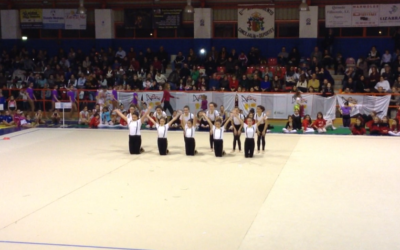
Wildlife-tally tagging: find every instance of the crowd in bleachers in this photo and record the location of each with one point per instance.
(28, 77)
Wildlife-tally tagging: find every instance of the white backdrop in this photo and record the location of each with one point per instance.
(309, 23)
(366, 104)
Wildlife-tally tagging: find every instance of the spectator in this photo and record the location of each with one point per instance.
(314, 82)
(328, 91)
(386, 58)
(283, 57)
(395, 128)
(339, 64)
(179, 59)
(184, 71)
(383, 83)
(373, 57)
(95, 121)
(265, 84)
(84, 116)
(233, 84)
(210, 66)
(162, 55)
(243, 60)
(358, 128)
(374, 76)
(120, 54)
(317, 54)
(328, 41)
(362, 67)
(294, 57)
(55, 117)
(302, 84)
(276, 84)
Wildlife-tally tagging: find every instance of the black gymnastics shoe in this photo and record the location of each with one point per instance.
(141, 150)
(167, 151)
(195, 152)
(223, 152)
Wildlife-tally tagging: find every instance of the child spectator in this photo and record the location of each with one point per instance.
(150, 123)
(106, 117)
(204, 126)
(307, 124)
(39, 117)
(375, 129)
(204, 102)
(289, 128)
(319, 124)
(95, 121)
(358, 128)
(395, 129)
(55, 117)
(8, 119)
(17, 118)
(177, 123)
(122, 122)
(12, 104)
(296, 120)
(84, 116)
(345, 111)
(384, 126)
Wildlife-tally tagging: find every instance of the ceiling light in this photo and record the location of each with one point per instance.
(304, 6)
(189, 8)
(81, 9)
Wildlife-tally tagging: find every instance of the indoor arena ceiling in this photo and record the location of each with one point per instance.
(120, 4)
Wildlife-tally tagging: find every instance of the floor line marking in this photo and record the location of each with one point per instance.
(65, 245)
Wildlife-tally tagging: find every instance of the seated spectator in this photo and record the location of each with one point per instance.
(233, 84)
(358, 128)
(244, 82)
(319, 124)
(395, 128)
(327, 59)
(328, 90)
(39, 118)
(350, 84)
(314, 82)
(95, 121)
(8, 119)
(179, 60)
(224, 83)
(362, 85)
(375, 128)
(339, 64)
(374, 57)
(291, 78)
(383, 84)
(276, 84)
(84, 116)
(307, 122)
(317, 54)
(386, 58)
(55, 117)
(362, 67)
(265, 84)
(302, 84)
(384, 126)
(289, 128)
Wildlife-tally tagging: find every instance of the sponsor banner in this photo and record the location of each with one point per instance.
(167, 18)
(53, 19)
(256, 23)
(74, 21)
(309, 23)
(362, 15)
(248, 101)
(31, 18)
(366, 104)
(389, 15)
(338, 16)
(194, 100)
(365, 15)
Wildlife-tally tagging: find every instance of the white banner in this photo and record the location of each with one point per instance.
(104, 23)
(309, 23)
(248, 101)
(256, 23)
(365, 15)
(362, 15)
(74, 21)
(203, 23)
(53, 19)
(366, 104)
(338, 16)
(389, 15)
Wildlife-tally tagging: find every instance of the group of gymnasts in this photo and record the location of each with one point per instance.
(250, 127)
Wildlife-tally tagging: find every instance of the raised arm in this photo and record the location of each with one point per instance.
(207, 119)
(146, 114)
(172, 120)
(121, 115)
(151, 119)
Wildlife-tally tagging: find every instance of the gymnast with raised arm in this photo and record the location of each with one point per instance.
(134, 124)
(162, 130)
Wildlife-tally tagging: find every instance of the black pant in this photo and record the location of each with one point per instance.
(135, 142)
(190, 145)
(236, 138)
(211, 137)
(249, 147)
(162, 145)
(167, 105)
(219, 147)
(261, 138)
(346, 120)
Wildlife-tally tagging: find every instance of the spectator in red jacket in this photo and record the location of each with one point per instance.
(233, 83)
(319, 124)
(95, 121)
(375, 129)
(358, 128)
(395, 128)
(384, 126)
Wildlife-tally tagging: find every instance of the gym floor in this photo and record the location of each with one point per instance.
(81, 189)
